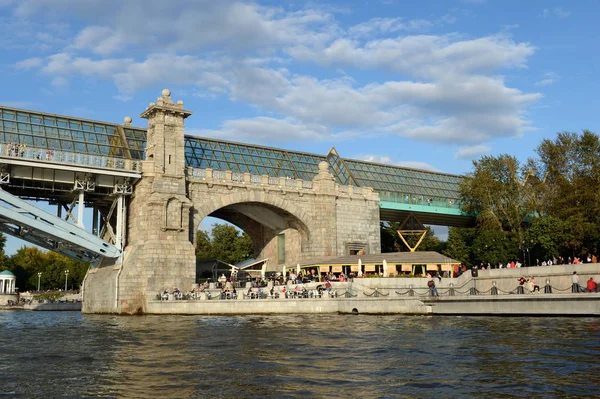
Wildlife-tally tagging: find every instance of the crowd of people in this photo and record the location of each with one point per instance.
(548, 262)
(18, 150)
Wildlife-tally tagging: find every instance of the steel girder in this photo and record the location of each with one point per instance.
(25, 221)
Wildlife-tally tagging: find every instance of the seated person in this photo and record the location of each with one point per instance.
(592, 286)
(328, 285)
(534, 285)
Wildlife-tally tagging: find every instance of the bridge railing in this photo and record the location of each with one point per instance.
(72, 158)
(411, 199)
(248, 178)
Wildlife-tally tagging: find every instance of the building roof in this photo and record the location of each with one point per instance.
(400, 258)
(7, 273)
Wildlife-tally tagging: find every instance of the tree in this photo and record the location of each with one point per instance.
(2, 254)
(27, 262)
(204, 248)
(544, 238)
(225, 243)
(571, 167)
(24, 263)
(457, 246)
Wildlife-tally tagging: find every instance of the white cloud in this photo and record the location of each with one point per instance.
(388, 25)
(387, 160)
(442, 88)
(556, 12)
(264, 129)
(548, 79)
(421, 55)
(471, 152)
(29, 63)
(115, 27)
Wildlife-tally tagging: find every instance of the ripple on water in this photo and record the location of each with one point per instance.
(50, 354)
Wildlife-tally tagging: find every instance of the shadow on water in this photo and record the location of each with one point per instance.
(66, 354)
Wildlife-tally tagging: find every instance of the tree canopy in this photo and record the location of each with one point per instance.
(225, 243)
(27, 262)
(544, 208)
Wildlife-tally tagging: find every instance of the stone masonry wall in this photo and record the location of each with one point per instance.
(357, 223)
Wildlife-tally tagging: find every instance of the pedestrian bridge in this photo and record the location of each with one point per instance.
(148, 189)
(55, 158)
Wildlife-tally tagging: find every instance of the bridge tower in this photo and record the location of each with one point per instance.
(158, 252)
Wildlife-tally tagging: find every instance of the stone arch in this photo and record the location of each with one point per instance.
(297, 220)
(204, 208)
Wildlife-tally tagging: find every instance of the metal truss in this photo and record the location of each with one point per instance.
(412, 227)
(63, 133)
(25, 221)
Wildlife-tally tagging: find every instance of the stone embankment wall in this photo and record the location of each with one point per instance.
(391, 296)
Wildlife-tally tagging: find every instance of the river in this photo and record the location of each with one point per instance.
(67, 354)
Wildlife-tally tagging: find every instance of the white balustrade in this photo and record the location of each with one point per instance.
(73, 158)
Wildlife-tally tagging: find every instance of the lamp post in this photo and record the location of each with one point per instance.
(39, 279)
(66, 278)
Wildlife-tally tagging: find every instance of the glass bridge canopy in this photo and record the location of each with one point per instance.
(62, 133)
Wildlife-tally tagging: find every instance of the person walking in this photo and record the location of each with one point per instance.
(432, 290)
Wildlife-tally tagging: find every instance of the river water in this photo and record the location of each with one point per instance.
(67, 354)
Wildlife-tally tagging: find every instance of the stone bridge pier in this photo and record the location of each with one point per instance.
(288, 220)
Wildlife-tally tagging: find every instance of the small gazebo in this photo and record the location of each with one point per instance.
(7, 283)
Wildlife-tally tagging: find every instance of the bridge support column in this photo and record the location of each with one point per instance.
(80, 206)
(154, 227)
(95, 221)
(120, 218)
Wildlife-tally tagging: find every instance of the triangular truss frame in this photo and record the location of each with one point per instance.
(414, 228)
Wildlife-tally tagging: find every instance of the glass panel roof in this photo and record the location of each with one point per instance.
(70, 134)
(99, 138)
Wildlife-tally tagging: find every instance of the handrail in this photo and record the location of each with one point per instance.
(22, 151)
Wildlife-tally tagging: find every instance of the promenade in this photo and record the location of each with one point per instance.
(492, 292)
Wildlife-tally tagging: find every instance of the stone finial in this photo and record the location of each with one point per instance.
(324, 174)
(128, 120)
(166, 98)
(165, 103)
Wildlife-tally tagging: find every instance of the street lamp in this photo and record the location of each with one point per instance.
(39, 278)
(66, 278)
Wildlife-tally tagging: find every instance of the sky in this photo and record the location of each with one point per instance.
(428, 84)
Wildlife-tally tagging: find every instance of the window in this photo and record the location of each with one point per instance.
(281, 248)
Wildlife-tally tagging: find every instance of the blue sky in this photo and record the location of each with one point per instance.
(427, 84)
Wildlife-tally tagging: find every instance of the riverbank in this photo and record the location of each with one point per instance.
(491, 292)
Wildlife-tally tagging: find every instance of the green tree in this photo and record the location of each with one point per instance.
(27, 262)
(544, 238)
(571, 168)
(204, 248)
(457, 246)
(225, 243)
(2, 253)
(24, 263)
(494, 246)
(495, 192)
